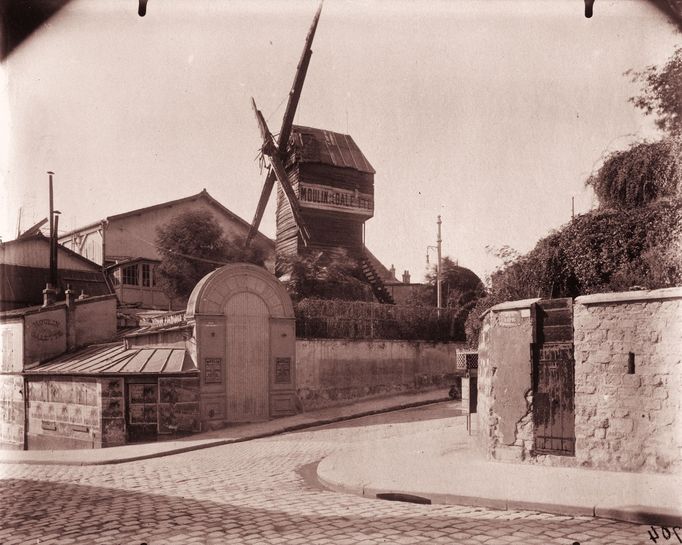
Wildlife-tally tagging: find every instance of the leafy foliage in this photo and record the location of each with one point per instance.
(602, 251)
(192, 245)
(639, 175)
(325, 275)
(461, 289)
(662, 93)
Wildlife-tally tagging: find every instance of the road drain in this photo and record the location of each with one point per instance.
(409, 498)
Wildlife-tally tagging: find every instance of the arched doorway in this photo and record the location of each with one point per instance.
(244, 345)
(247, 348)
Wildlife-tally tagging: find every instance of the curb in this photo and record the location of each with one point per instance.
(221, 442)
(633, 514)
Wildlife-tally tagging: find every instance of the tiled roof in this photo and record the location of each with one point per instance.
(114, 358)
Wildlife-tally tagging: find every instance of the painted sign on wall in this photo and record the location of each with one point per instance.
(45, 335)
(322, 197)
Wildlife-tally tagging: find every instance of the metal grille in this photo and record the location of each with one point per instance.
(467, 359)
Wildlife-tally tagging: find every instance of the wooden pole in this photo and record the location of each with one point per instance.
(438, 267)
(53, 269)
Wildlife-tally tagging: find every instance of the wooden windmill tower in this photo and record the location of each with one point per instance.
(326, 186)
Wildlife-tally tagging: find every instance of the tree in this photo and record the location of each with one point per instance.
(639, 175)
(460, 291)
(325, 275)
(662, 94)
(192, 245)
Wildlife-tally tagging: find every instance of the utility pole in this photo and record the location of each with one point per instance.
(53, 265)
(438, 269)
(437, 247)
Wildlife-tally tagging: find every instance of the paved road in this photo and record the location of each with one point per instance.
(262, 492)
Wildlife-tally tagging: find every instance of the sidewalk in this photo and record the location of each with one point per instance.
(224, 436)
(442, 464)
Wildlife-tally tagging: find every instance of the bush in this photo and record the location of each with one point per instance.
(336, 319)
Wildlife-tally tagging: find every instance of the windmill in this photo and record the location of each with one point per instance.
(276, 151)
(325, 185)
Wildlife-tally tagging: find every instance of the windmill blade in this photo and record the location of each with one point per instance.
(271, 150)
(260, 209)
(297, 87)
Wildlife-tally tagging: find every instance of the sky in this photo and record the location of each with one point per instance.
(490, 113)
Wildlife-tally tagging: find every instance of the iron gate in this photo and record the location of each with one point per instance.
(553, 377)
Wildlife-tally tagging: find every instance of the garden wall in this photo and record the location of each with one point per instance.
(628, 379)
(625, 420)
(335, 371)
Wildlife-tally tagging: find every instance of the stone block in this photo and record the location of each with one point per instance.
(660, 392)
(600, 433)
(620, 412)
(585, 388)
(632, 381)
(601, 356)
(652, 404)
(626, 425)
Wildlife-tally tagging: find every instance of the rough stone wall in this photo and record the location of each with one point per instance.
(630, 422)
(331, 371)
(623, 421)
(504, 383)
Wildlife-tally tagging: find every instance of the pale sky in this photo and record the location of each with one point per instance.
(491, 113)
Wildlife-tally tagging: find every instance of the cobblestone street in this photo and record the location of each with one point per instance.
(261, 491)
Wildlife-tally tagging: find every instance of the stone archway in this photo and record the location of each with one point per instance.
(244, 330)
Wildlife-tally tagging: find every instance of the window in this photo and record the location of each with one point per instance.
(147, 277)
(130, 275)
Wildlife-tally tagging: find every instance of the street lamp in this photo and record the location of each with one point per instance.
(437, 247)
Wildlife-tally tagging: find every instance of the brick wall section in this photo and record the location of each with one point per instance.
(630, 422)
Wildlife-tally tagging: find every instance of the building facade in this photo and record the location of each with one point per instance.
(25, 270)
(125, 245)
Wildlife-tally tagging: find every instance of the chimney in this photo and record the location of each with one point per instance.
(49, 295)
(406, 277)
(392, 270)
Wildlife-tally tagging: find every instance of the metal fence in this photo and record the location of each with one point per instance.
(335, 319)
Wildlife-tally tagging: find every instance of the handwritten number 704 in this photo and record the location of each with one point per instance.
(666, 533)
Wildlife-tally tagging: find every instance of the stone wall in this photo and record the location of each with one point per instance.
(332, 371)
(504, 382)
(625, 420)
(629, 421)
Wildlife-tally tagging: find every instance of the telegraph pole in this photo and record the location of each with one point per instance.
(438, 269)
(53, 264)
(437, 247)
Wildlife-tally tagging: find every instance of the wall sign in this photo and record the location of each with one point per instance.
(46, 330)
(282, 370)
(213, 370)
(323, 197)
(509, 318)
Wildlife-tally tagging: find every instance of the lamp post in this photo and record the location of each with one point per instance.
(437, 247)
